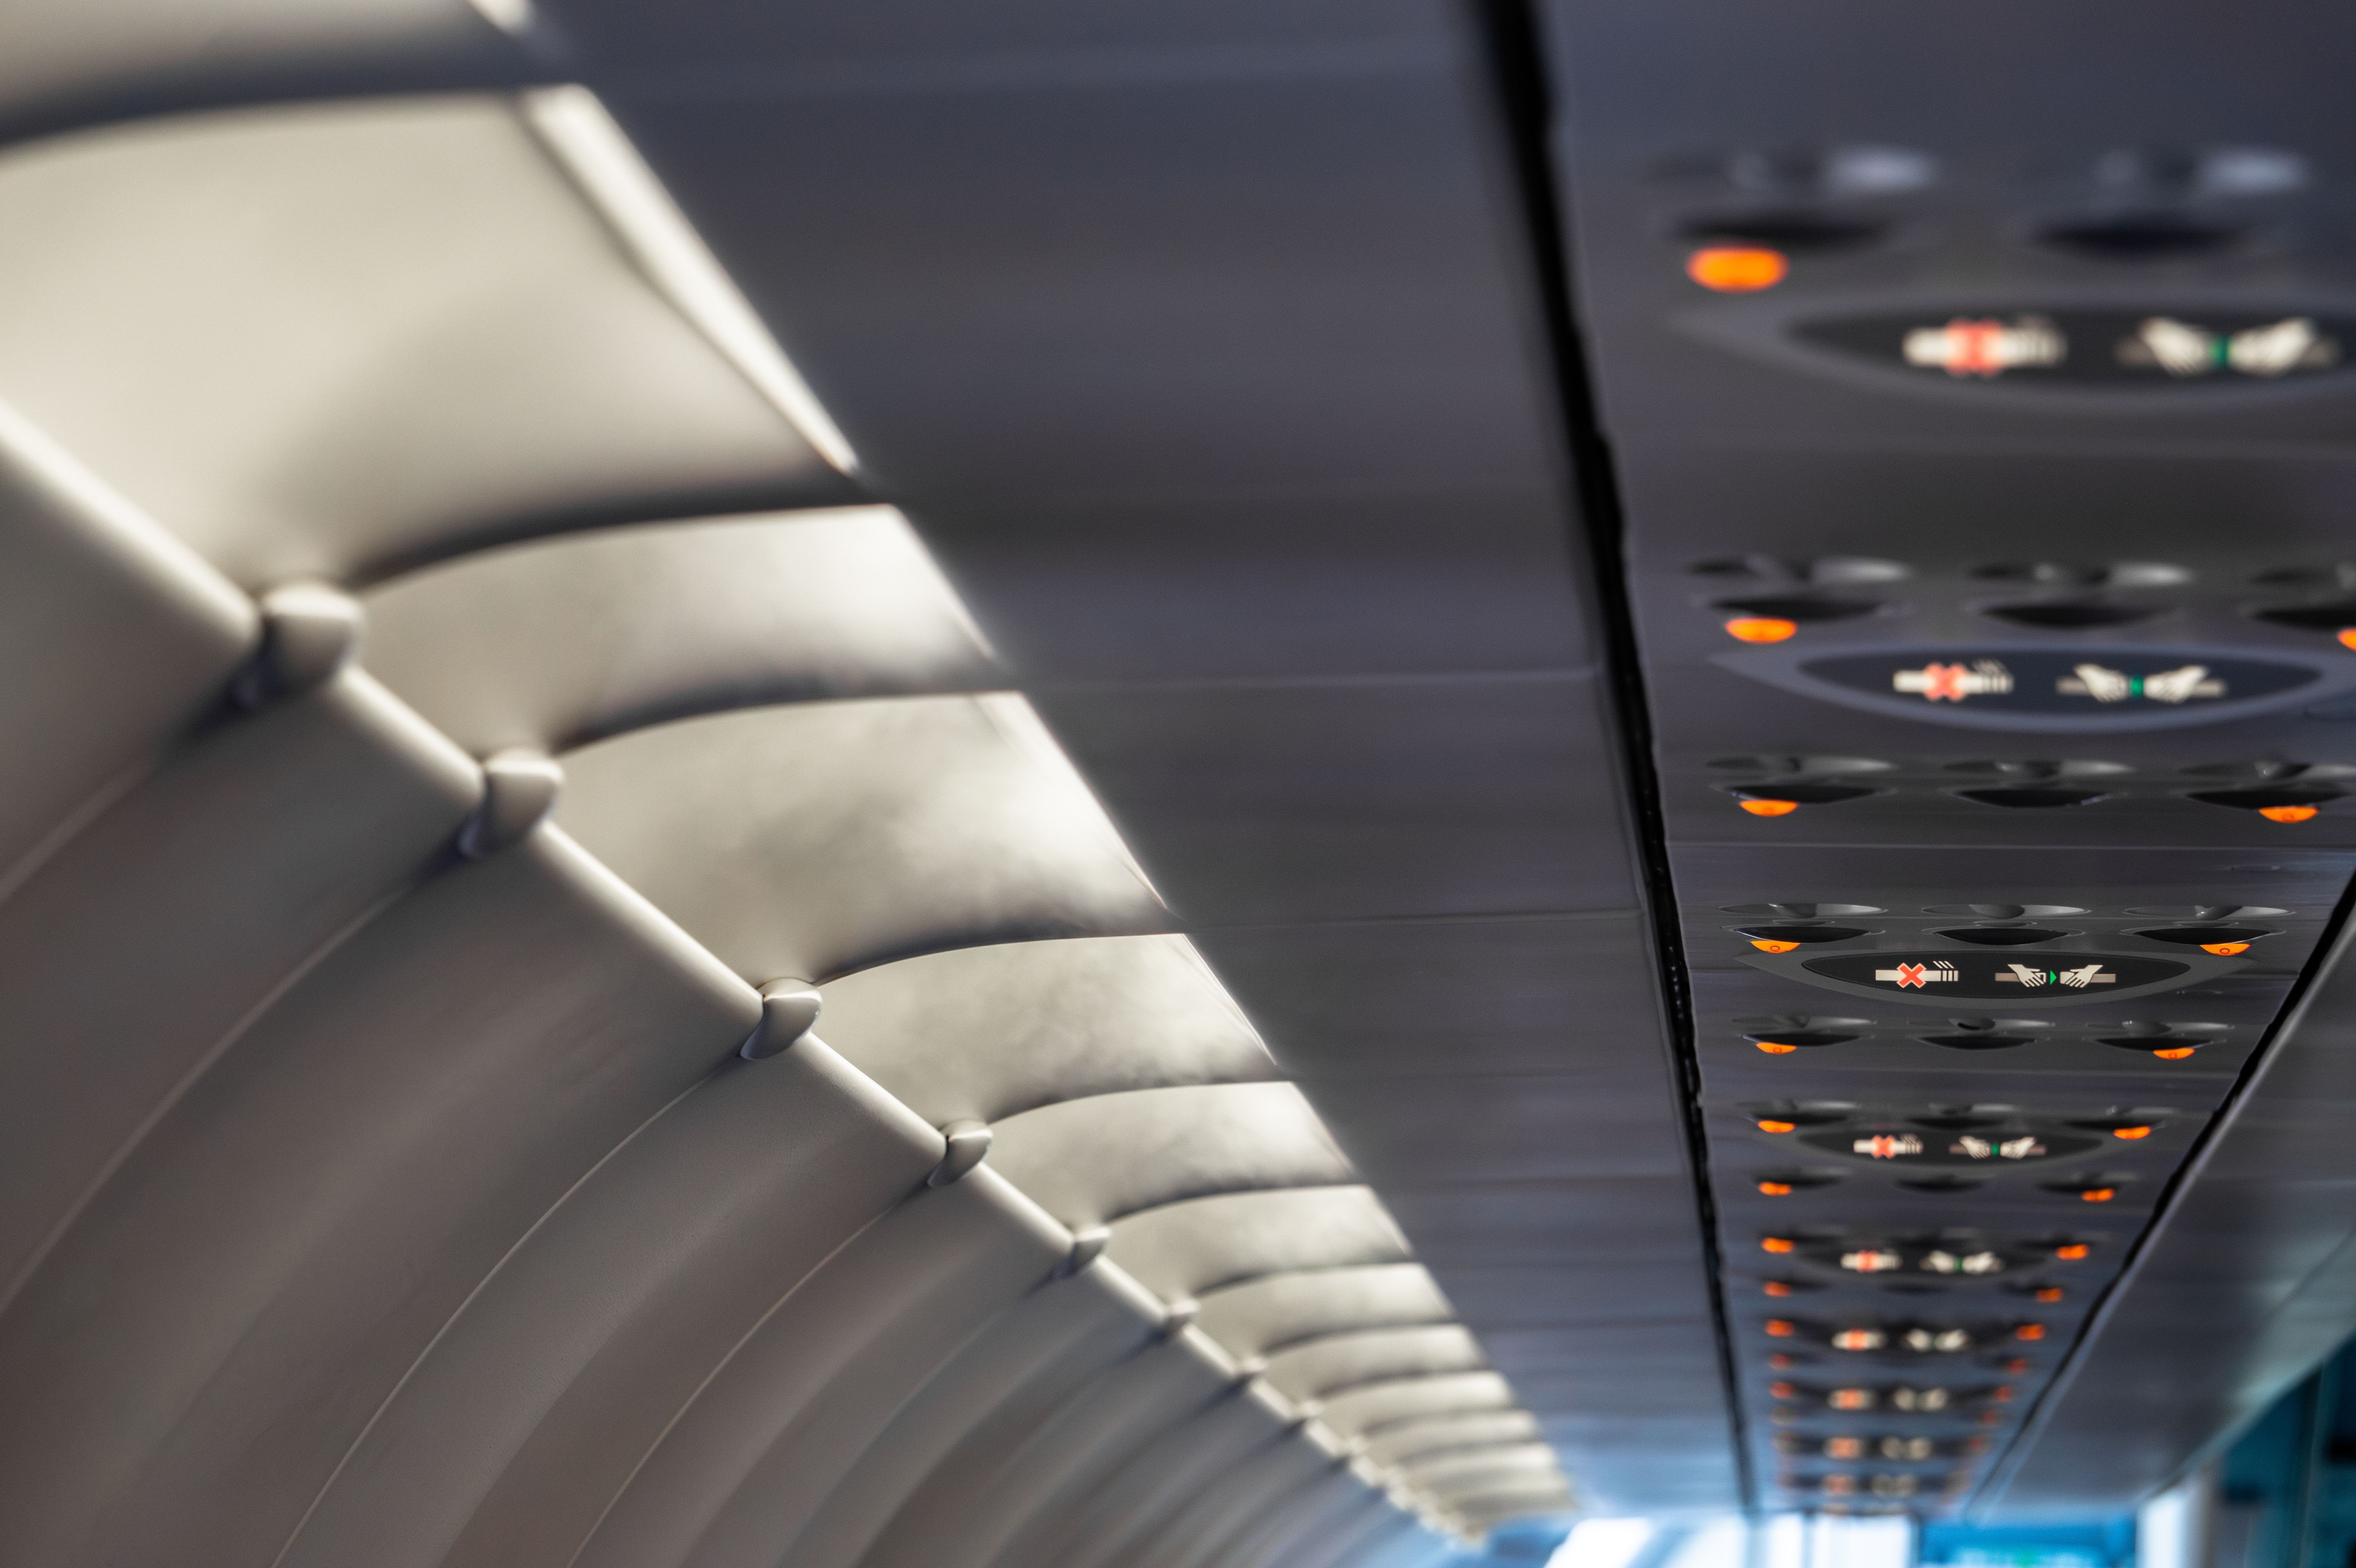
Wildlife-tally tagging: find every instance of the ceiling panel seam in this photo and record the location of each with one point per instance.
(1513, 36)
(2329, 955)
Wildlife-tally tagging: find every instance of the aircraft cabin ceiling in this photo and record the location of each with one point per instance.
(1213, 785)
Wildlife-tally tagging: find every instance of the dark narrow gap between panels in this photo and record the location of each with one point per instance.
(1512, 37)
(2327, 955)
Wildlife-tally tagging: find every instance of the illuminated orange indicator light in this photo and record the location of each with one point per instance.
(1764, 946)
(1778, 1287)
(1761, 628)
(2001, 1395)
(1737, 269)
(1781, 1327)
(1772, 808)
(2224, 949)
(2174, 1053)
(1774, 1049)
(2287, 813)
(1783, 1390)
(2030, 1331)
(1775, 1243)
(2016, 1368)
(2130, 1134)
(2348, 636)
(1782, 1363)
(2098, 1194)
(1769, 1125)
(2049, 1293)
(1776, 1189)
(2073, 1253)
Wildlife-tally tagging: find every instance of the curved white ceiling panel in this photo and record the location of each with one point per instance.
(1333, 1365)
(1365, 1412)
(304, 1216)
(1178, 1378)
(1092, 1162)
(533, 1408)
(988, 1032)
(1020, 1515)
(1012, 1376)
(751, 1460)
(323, 341)
(812, 840)
(1209, 1530)
(1357, 1541)
(1275, 1311)
(1460, 1471)
(68, 62)
(132, 638)
(1138, 1505)
(1306, 1512)
(1191, 1248)
(556, 641)
(1478, 1513)
(251, 856)
(971, 1479)
(1404, 1444)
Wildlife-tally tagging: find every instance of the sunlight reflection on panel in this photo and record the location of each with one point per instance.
(596, 152)
(1603, 1544)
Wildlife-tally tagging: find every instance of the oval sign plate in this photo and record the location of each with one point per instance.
(1934, 977)
(2077, 688)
